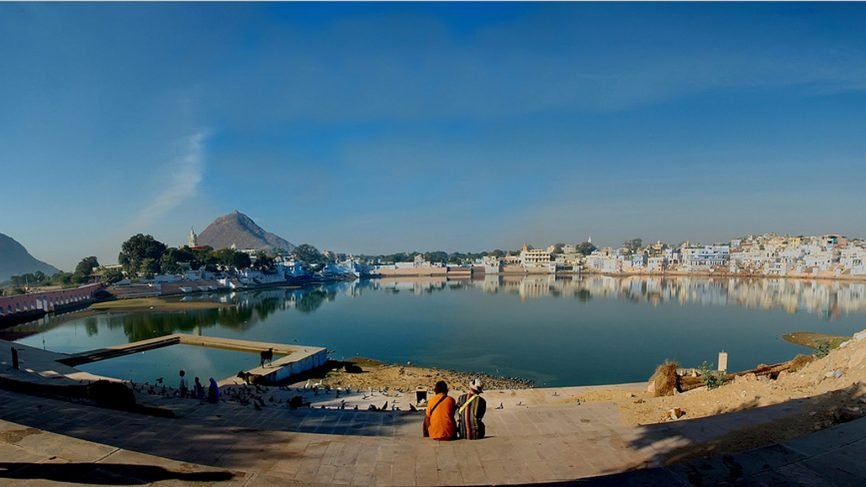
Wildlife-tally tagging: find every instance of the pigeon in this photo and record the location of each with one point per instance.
(385, 406)
(501, 406)
(159, 380)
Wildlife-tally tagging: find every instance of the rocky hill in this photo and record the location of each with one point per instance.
(15, 260)
(241, 231)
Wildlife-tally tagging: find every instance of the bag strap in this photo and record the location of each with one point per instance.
(437, 404)
(466, 403)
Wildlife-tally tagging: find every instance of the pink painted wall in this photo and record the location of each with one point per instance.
(46, 300)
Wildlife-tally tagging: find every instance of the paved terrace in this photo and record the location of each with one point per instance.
(534, 437)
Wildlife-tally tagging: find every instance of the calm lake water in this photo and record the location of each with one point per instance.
(555, 331)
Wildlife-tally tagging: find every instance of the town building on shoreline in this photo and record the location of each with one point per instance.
(820, 256)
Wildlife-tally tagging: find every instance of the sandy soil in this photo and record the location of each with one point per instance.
(154, 304)
(830, 390)
(376, 375)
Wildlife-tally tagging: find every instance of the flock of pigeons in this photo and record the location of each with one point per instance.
(259, 397)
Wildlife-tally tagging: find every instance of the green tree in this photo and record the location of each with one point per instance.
(171, 259)
(84, 269)
(141, 254)
(232, 258)
(557, 248)
(40, 278)
(149, 267)
(264, 260)
(586, 248)
(437, 256)
(111, 276)
(310, 256)
(62, 278)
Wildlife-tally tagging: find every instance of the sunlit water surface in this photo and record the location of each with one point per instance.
(564, 331)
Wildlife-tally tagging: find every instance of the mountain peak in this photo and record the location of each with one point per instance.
(16, 260)
(240, 230)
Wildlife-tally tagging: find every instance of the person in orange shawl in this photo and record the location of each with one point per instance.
(439, 417)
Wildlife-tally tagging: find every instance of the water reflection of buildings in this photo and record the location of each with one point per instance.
(826, 298)
(417, 286)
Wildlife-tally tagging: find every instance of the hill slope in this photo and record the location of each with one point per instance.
(15, 260)
(240, 230)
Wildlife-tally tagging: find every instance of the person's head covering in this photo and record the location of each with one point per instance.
(441, 387)
(476, 385)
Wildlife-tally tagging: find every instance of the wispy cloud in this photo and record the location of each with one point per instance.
(186, 172)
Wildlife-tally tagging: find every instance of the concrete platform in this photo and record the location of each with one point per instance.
(534, 436)
(294, 360)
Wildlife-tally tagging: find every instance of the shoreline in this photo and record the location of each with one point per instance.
(363, 372)
(156, 303)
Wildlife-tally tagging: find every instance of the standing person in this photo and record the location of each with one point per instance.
(198, 390)
(182, 386)
(470, 411)
(213, 391)
(439, 416)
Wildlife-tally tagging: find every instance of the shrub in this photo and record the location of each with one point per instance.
(712, 378)
(822, 348)
(665, 379)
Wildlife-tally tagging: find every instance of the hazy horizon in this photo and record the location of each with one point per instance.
(378, 128)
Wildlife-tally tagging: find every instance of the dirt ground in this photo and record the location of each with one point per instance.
(374, 374)
(830, 389)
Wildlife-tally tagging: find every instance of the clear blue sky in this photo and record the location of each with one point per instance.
(386, 127)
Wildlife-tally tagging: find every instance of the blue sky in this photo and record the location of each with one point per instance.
(384, 127)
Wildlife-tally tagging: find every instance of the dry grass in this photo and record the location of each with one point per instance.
(800, 361)
(812, 339)
(665, 379)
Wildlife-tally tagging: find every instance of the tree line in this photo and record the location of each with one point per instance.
(459, 258)
(83, 274)
(144, 256)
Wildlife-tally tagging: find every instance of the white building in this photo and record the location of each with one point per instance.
(706, 258)
(854, 260)
(657, 264)
(536, 260)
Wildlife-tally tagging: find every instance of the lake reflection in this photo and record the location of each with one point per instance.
(581, 330)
